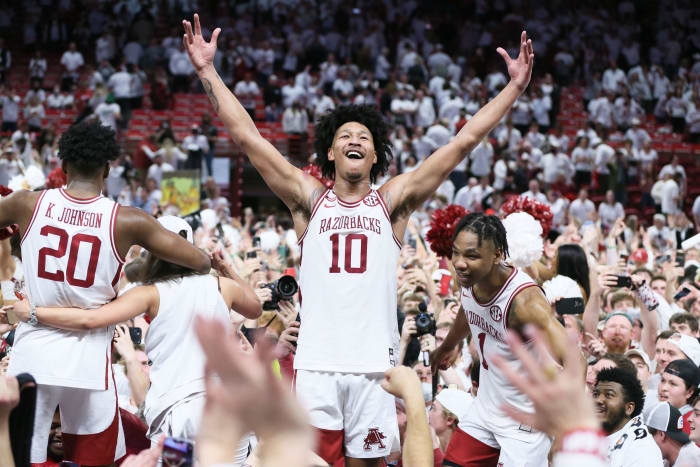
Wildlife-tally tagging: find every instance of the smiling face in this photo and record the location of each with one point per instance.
(672, 388)
(617, 333)
(473, 262)
(666, 351)
(611, 408)
(353, 152)
(694, 421)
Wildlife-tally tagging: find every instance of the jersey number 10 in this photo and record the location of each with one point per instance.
(349, 240)
(59, 252)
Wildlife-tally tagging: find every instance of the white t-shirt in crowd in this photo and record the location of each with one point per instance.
(670, 197)
(609, 213)
(481, 158)
(581, 209)
(107, 113)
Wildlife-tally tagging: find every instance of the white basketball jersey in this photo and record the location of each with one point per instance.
(70, 259)
(347, 279)
(172, 344)
(488, 323)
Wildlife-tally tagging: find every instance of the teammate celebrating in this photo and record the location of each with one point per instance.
(349, 237)
(496, 298)
(73, 244)
(178, 297)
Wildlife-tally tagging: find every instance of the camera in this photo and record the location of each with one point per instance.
(178, 452)
(283, 288)
(624, 281)
(425, 324)
(135, 334)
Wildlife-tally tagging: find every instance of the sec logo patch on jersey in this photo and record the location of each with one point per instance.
(371, 200)
(496, 313)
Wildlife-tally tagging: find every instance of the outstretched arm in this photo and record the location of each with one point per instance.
(408, 191)
(133, 303)
(135, 227)
(288, 182)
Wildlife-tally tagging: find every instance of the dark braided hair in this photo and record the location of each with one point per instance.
(485, 227)
(631, 387)
(87, 147)
(368, 116)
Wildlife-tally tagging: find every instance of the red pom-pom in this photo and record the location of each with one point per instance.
(4, 191)
(56, 178)
(315, 171)
(442, 228)
(541, 212)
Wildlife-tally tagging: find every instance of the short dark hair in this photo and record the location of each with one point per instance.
(368, 116)
(87, 147)
(631, 387)
(685, 318)
(665, 335)
(485, 227)
(620, 361)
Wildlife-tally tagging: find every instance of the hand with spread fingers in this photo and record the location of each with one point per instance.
(200, 51)
(520, 69)
(560, 401)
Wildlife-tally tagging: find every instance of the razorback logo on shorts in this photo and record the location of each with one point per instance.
(374, 436)
(371, 200)
(496, 313)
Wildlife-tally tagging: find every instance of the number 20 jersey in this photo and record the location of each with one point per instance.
(347, 279)
(70, 259)
(488, 323)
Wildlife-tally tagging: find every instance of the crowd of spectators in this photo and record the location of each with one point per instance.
(629, 73)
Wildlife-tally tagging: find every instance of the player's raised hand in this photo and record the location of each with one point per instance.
(200, 51)
(520, 69)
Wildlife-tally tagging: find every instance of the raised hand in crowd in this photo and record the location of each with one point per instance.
(246, 396)
(287, 342)
(562, 408)
(403, 383)
(146, 458)
(287, 312)
(561, 404)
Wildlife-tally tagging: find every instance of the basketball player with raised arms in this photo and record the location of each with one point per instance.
(349, 238)
(496, 298)
(73, 243)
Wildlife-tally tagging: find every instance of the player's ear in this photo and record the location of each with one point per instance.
(331, 157)
(629, 408)
(375, 158)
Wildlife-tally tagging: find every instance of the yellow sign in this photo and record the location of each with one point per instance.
(181, 188)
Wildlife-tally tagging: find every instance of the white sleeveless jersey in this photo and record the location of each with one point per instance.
(70, 259)
(488, 323)
(172, 344)
(347, 279)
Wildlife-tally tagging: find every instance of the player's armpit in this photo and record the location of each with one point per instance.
(17, 208)
(135, 227)
(530, 306)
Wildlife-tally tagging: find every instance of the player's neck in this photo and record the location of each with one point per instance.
(79, 188)
(491, 284)
(673, 452)
(351, 191)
